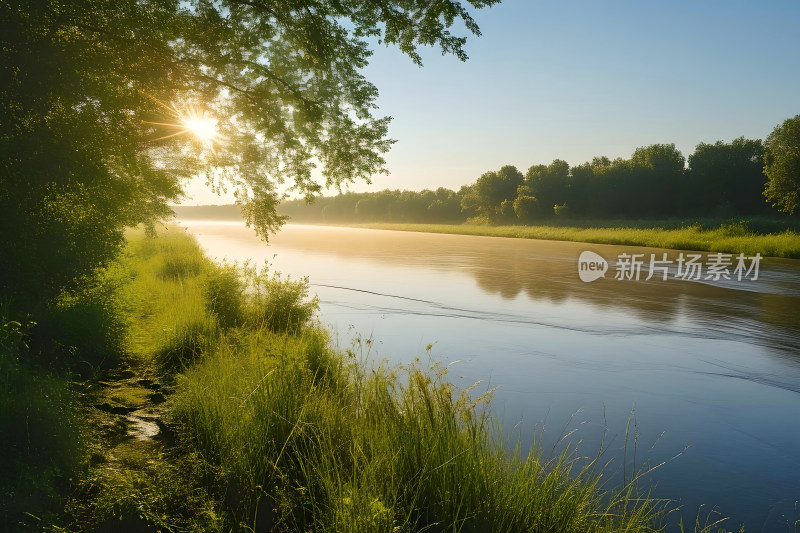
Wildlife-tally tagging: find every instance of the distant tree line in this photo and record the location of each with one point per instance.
(439, 206)
(746, 177)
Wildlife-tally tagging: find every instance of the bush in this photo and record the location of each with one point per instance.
(81, 333)
(277, 304)
(526, 208)
(39, 434)
(562, 211)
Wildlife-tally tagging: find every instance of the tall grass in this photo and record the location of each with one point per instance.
(180, 302)
(303, 439)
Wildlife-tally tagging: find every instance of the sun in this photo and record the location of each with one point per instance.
(192, 120)
(200, 124)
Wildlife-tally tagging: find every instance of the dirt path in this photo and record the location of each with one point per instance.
(125, 412)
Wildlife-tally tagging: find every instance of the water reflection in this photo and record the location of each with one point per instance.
(766, 311)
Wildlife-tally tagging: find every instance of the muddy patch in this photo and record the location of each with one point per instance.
(126, 412)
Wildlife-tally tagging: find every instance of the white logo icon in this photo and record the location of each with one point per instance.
(591, 266)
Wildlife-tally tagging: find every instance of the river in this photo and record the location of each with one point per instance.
(710, 369)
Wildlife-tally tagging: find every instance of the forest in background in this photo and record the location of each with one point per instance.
(721, 180)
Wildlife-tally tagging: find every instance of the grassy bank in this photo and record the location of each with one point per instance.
(748, 237)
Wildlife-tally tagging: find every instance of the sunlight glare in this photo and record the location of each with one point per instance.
(201, 125)
(193, 120)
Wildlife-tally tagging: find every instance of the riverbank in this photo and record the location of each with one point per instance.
(230, 409)
(731, 237)
(269, 427)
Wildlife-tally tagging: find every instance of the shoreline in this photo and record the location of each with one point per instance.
(733, 240)
(726, 238)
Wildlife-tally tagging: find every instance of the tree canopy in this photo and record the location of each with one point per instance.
(107, 107)
(722, 180)
(782, 166)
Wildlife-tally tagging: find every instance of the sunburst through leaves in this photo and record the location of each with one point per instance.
(192, 120)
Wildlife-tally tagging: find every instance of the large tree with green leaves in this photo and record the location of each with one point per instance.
(782, 166)
(108, 106)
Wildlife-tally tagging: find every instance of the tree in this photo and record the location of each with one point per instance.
(656, 176)
(107, 107)
(727, 176)
(491, 190)
(782, 166)
(549, 183)
(526, 206)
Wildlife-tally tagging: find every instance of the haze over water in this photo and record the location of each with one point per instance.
(712, 369)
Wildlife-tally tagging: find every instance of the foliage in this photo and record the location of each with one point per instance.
(548, 183)
(782, 166)
(39, 433)
(97, 97)
(83, 330)
(728, 174)
(562, 210)
(276, 303)
(722, 180)
(526, 206)
(441, 205)
(491, 190)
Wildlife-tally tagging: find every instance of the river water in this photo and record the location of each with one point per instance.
(710, 369)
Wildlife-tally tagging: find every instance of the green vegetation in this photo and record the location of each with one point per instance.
(275, 430)
(782, 165)
(153, 389)
(733, 236)
(259, 423)
(39, 434)
(108, 107)
(263, 425)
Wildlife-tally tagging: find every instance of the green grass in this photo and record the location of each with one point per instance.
(178, 301)
(306, 440)
(749, 237)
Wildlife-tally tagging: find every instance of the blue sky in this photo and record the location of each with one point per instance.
(573, 80)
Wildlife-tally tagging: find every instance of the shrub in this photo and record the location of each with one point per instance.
(83, 330)
(278, 304)
(526, 208)
(562, 211)
(39, 434)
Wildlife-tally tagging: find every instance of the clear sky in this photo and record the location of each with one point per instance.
(573, 80)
